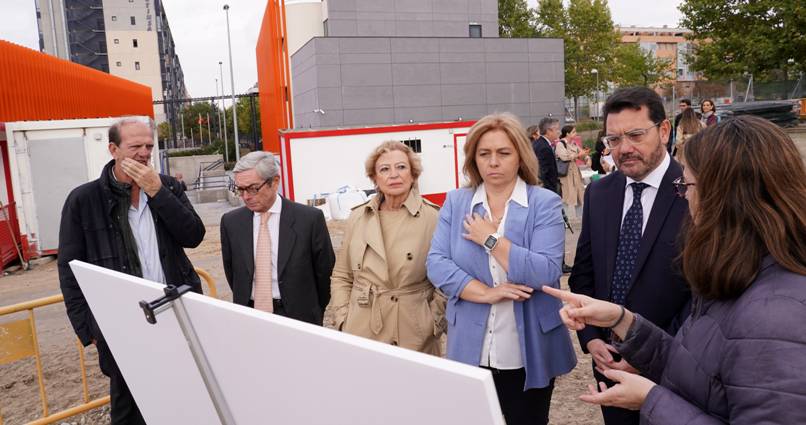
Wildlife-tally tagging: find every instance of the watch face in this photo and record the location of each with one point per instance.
(490, 242)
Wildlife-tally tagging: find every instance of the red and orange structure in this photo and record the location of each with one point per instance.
(274, 76)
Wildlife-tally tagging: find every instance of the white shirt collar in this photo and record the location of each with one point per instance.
(519, 195)
(276, 207)
(655, 176)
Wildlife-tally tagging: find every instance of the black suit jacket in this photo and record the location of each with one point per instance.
(658, 291)
(305, 259)
(548, 164)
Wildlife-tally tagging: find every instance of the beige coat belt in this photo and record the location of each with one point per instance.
(369, 292)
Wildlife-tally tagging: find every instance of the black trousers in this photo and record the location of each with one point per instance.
(124, 410)
(521, 407)
(615, 415)
(278, 306)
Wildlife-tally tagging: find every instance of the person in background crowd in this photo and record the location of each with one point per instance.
(533, 132)
(689, 126)
(496, 242)
(740, 358)
(630, 225)
(572, 186)
(179, 178)
(708, 109)
(379, 286)
(542, 146)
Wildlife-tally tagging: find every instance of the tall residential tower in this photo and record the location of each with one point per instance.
(127, 38)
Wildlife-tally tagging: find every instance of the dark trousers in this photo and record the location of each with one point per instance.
(277, 305)
(124, 410)
(616, 415)
(530, 407)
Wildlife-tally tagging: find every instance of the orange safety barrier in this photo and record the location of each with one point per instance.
(273, 76)
(18, 341)
(37, 86)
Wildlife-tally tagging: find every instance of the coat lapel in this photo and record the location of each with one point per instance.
(657, 217)
(245, 233)
(515, 228)
(613, 204)
(287, 236)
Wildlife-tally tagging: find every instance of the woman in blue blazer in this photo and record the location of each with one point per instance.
(496, 242)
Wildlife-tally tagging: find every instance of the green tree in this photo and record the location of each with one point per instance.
(164, 131)
(766, 38)
(245, 116)
(191, 114)
(515, 19)
(636, 67)
(590, 41)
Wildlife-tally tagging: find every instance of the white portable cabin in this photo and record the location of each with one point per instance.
(322, 161)
(47, 160)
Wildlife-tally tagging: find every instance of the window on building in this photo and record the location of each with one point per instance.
(116, 41)
(114, 18)
(137, 66)
(104, 67)
(134, 42)
(414, 144)
(324, 24)
(475, 30)
(133, 21)
(118, 64)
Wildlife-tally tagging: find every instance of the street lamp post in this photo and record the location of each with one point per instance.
(232, 83)
(223, 106)
(218, 111)
(596, 93)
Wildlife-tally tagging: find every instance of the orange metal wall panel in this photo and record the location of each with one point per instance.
(273, 76)
(36, 86)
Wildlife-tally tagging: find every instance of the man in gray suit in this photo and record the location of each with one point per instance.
(277, 253)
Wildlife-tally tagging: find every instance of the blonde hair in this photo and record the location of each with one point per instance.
(508, 123)
(389, 146)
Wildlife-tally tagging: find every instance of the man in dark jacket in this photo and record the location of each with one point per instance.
(132, 220)
(550, 130)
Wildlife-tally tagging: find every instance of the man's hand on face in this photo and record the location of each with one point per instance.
(144, 176)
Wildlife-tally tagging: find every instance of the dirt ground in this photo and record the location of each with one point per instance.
(19, 392)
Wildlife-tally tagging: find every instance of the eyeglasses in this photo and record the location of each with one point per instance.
(634, 136)
(251, 189)
(681, 187)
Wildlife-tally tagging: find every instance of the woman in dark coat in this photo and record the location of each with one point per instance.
(740, 358)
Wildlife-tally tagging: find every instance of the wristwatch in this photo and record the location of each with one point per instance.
(491, 241)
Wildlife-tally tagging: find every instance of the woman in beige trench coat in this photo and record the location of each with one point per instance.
(573, 190)
(379, 289)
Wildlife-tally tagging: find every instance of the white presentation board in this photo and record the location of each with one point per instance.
(272, 369)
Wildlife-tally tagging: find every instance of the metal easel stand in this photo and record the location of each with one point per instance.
(173, 298)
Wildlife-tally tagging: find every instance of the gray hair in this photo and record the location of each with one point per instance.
(114, 130)
(545, 123)
(263, 162)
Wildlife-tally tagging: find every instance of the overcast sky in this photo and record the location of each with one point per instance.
(199, 29)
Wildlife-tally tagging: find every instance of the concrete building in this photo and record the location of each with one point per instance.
(127, 38)
(401, 61)
(664, 43)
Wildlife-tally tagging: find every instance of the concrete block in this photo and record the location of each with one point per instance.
(366, 74)
(415, 73)
(419, 95)
(463, 94)
(362, 96)
(369, 116)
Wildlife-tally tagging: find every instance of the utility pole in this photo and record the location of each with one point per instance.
(232, 84)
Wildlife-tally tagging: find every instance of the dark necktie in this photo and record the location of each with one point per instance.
(629, 241)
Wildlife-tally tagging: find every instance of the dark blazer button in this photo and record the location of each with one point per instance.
(394, 298)
(409, 256)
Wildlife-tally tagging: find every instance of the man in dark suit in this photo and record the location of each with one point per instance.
(550, 130)
(277, 253)
(630, 226)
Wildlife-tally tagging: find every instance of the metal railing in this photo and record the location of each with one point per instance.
(18, 341)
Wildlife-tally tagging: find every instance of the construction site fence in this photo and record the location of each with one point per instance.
(18, 341)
